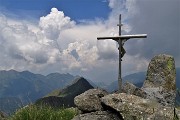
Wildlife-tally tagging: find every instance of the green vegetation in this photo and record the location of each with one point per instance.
(53, 93)
(170, 64)
(33, 112)
(58, 93)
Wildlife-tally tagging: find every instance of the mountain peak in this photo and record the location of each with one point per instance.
(65, 97)
(78, 84)
(80, 80)
(10, 71)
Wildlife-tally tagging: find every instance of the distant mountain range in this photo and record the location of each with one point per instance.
(138, 80)
(135, 78)
(26, 87)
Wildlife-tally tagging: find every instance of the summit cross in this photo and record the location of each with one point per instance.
(121, 39)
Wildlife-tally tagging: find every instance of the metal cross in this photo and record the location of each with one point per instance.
(121, 39)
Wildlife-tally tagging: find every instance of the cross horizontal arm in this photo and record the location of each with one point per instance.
(122, 37)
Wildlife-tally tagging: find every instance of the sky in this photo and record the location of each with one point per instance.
(61, 35)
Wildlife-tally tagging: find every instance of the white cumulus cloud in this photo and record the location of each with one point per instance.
(52, 24)
(35, 47)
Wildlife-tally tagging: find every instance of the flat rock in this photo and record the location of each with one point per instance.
(98, 115)
(131, 106)
(160, 83)
(90, 100)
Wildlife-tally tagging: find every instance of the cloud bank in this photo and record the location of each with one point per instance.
(59, 44)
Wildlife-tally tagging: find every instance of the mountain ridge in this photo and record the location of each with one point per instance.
(28, 87)
(65, 97)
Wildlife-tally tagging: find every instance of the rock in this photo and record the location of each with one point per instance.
(134, 107)
(129, 88)
(160, 83)
(2, 115)
(90, 100)
(177, 113)
(98, 115)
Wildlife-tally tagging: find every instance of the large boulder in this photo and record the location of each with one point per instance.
(98, 115)
(134, 107)
(160, 83)
(129, 88)
(90, 100)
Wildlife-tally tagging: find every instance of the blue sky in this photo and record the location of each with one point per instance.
(45, 36)
(76, 9)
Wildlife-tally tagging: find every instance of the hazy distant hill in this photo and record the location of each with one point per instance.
(138, 79)
(65, 97)
(178, 85)
(23, 85)
(10, 104)
(178, 77)
(57, 80)
(28, 87)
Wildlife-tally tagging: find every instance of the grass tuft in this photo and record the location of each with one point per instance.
(33, 112)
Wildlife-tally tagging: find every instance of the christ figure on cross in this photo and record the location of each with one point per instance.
(123, 51)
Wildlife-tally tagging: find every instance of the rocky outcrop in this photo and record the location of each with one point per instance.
(160, 83)
(131, 106)
(90, 100)
(123, 106)
(90, 105)
(154, 101)
(129, 88)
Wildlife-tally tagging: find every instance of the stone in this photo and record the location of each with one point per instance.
(2, 115)
(177, 110)
(134, 107)
(98, 115)
(129, 88)
(160, 83)
(90, 100)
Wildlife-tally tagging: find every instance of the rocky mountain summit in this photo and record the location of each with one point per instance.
(154, 101)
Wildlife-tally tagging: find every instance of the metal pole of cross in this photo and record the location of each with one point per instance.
(121, 39)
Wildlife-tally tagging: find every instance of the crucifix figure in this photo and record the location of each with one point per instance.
(121, 39)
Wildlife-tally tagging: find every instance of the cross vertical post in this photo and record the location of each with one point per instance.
(121, 39)
(120, 44)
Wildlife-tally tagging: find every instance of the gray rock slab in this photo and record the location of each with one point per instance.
(131, 106)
